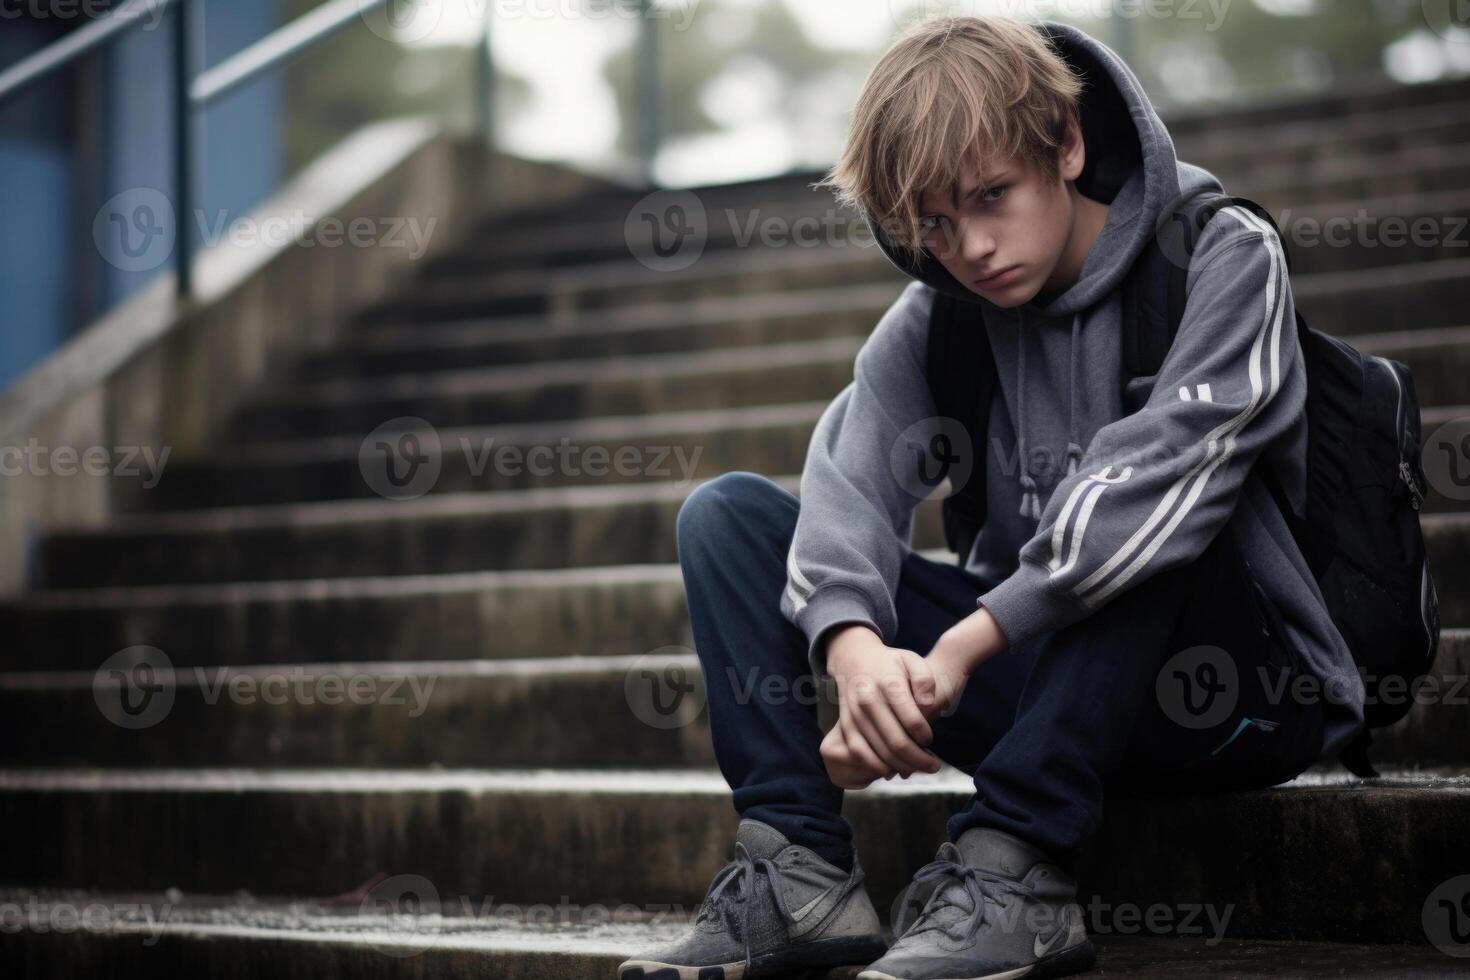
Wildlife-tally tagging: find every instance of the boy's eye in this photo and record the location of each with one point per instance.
(930, 222)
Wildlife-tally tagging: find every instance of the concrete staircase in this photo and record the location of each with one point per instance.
(359, 700)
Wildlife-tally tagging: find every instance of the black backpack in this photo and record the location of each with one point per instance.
(1359, 530)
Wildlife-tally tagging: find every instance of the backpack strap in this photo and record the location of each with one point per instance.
(961, 371)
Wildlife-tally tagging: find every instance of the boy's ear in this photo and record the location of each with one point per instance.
(1072, 154)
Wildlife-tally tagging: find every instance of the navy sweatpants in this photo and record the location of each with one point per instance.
(1180, 680)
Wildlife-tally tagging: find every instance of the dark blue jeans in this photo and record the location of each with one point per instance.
(1180, 681)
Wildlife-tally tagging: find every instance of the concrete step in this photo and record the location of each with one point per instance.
(1304, 141)
(562, 292)
(552, 528)
(1416, 170)
(813, 220)
(480, 714)
(802, 218)
(1372, 232)
(477, 714)
(543, 528)
(590, 611)
(715, 323)
(614, 201)
(587, 611)
(237, 937)
(701, 443)
(573, 452)
(586, 388)
(1375, 95)
(650, 448)
(805, 216)
(658, 328)
(1391, 298)
(1287, 862)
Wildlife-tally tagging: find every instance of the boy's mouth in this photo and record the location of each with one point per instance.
(1002, 278)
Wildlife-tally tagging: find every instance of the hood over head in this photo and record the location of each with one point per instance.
(1130, 165)
(1129, 162)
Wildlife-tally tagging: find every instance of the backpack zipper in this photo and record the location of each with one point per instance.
(1405, 474)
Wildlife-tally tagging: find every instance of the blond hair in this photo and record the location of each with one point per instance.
(951, 91)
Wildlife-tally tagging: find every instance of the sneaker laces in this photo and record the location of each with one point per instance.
(739, 878)
(956, 878)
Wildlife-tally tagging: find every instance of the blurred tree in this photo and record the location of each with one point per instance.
(359, 76)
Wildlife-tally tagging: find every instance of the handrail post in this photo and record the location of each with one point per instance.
(183, 75)
(485, 81)
(646, 94)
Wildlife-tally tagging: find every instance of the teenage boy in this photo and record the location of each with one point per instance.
(1129, 542)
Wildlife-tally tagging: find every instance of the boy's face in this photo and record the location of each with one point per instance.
(1008, 217)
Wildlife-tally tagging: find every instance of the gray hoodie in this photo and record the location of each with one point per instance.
(1086, 496)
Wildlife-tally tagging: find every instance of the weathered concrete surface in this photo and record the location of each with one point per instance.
(1279, 860)
(238, 939)
(576, 711)
(544, 528)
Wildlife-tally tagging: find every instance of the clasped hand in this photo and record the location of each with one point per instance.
(888, 697)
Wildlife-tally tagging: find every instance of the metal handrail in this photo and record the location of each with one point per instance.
(302, 34)
(195, 90)
(78, 43)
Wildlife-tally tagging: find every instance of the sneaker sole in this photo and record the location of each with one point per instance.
(818, 954)
(1077, 959)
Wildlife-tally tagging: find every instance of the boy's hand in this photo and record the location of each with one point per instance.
(880, 728)
(958, 651)
(888, 695)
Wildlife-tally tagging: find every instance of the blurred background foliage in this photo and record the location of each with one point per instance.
(754, 87)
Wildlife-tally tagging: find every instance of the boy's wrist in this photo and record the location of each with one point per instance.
(844, 639)
(973, 640)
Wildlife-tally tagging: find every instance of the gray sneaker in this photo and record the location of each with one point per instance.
(997, 908)
(777, 906)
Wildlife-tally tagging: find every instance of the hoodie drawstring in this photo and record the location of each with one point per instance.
(1030, 499)
(1030, 502)
(1074, 446)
